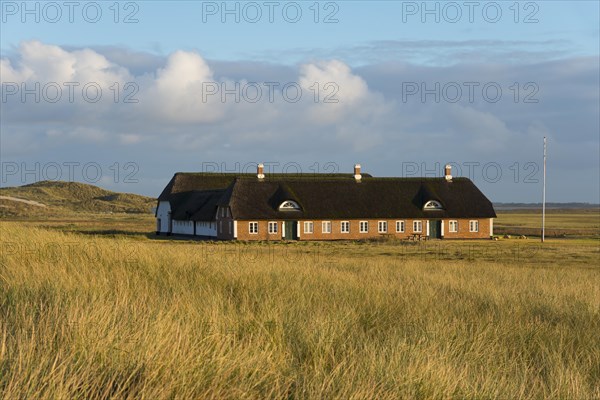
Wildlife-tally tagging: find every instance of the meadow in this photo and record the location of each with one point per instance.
(102, 309)
(559, 222)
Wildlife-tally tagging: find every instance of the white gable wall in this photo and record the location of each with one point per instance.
(163, 213)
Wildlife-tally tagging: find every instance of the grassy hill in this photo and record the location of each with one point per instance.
(49, 198)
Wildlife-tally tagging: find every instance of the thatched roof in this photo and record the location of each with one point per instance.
(321, 196)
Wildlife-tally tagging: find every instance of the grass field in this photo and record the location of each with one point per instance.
(559, 223)
(102, 309)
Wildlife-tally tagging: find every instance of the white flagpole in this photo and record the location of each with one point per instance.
(544, 196)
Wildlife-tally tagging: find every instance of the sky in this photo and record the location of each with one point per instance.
(124, 94)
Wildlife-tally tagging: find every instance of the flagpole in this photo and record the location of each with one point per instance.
(544, 196)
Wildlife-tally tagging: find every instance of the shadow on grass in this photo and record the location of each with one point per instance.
(114, 233)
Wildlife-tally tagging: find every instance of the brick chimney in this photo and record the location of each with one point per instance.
(448, 172)
(260, 171)
(357, 175)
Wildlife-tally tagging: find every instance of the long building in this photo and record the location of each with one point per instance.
(322, 207)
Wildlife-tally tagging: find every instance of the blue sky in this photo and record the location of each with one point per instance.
(381, 57)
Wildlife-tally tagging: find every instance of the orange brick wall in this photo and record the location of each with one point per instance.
(354, 234)
(463, 229)
(243, 231)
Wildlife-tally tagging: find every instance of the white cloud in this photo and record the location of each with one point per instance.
(45, 63)
(334, 90)
(176, 94)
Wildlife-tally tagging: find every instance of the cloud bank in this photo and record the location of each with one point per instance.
(175, 112)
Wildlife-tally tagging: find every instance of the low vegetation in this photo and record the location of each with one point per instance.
(49, 198)
(90, 313)
(559, 222)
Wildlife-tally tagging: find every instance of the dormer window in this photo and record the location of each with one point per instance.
(433, 205)
(289, 205)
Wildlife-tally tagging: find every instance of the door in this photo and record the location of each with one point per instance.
(435, 229)
(291, 230)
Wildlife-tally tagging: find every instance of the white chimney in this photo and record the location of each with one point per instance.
(357, 175)
(448, 172)
(260, 171)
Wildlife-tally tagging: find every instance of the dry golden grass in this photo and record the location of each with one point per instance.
(97, 317)
(559, 223)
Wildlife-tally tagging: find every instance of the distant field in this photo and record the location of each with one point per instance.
(559, 223)
(100, 308)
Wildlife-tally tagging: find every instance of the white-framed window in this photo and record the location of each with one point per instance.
(326, 226)
(364, 226)
(400, 226)
(382, 226)
(272, 227)
(473, 226)
(308, 227)
(417, 226)
(252, 228)
(289, 205)
(345, 227)
(433, 205)
(453, 226)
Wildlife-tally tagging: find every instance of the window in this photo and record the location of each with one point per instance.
(418, 226)
(364, 226)
(433, 205)
(308, 227)
(453, 226)
(326, 226)
(289, 205)
(473, 226)
(399, 226)
(252, 228)
(345, 227)
(382, 226)
(272, 228)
